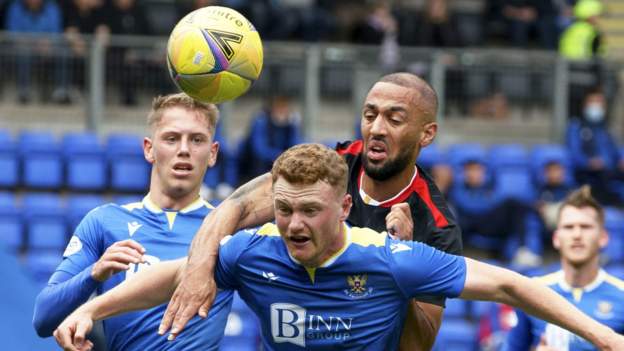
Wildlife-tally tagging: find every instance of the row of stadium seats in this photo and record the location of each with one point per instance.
(80, 162)
(44, 221)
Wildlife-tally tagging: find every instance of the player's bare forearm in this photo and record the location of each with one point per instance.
(249, 205)
(486, 282)
(421, 326)
(146, 289)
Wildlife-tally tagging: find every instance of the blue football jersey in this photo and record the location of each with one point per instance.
(165, 235)
(355, 300)
(603, 300)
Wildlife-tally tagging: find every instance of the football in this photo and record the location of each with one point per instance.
(214, 54)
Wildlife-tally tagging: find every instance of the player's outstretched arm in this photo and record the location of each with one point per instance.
(146, 289)
(250, 205)
(487, 282)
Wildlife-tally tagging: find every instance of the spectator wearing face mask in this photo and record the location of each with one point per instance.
(595, 155)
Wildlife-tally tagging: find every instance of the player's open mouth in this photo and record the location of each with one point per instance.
(376, 151)
(299, 240)
(182, 168)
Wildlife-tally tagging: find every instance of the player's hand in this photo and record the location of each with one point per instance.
(117, 258)
(543, 345)
(71, 334)
(399, 222)
(194, 295)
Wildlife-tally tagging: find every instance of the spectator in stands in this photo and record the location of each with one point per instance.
(83, 17)
(113, 242)
(579, 237)
(273, 130)
(595, 155)
(487, 218)
(582, 44)
(378, 25)
(127, 17)
(541, 221)
(44, 17)
(437, 28)
(527, 16)
(582, 40)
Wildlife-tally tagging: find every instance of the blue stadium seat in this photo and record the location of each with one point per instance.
(41, 264)
(12, 233)
(41, 160)
(9, 161)
(614, 223)
(127, 199)
(85, 162)
(430, 156)
(508, 156)
(457, 335)
(458, 154)
(128, 167)
(509, 163)
(541, 155)
(78, 206)
(455, 308)
(45, 217)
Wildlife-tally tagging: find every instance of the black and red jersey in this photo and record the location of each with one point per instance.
(434, 224)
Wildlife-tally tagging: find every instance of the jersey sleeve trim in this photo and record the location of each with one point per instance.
(366, 237)
(268, 229)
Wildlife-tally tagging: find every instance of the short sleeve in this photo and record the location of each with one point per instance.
(419, 269)
(230, 250)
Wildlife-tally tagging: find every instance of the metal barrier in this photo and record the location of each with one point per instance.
(329, 80)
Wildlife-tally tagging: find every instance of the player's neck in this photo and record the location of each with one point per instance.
(578, 276)
(165, 201)
(389, 188)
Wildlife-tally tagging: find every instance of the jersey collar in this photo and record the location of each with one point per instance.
(600, 278)
(370, 201)
(152, 207)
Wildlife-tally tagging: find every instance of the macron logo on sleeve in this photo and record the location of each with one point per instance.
(398, 247)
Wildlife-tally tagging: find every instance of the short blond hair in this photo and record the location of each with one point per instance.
(582, 197)
(161, 103)
(306, 164)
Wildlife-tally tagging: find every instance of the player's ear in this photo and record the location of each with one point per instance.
(555, 240)
(604, 238)
(148, 150)
(214, 151)
(428, 134)
(346, 206)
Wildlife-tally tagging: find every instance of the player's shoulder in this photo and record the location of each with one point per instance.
(367, 237)
(614, 281)
(251, 236)
(550, 278)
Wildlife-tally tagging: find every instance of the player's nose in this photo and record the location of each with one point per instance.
(378, 126)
